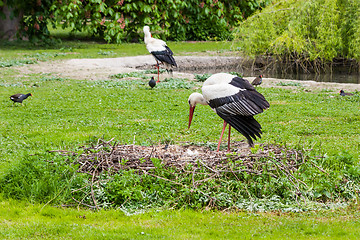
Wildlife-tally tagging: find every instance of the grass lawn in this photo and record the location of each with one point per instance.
(15, 53)
(67, 113)
(22, 220)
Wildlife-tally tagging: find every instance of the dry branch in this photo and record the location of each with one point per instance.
(202, 163)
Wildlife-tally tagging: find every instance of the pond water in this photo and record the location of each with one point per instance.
(335, 77)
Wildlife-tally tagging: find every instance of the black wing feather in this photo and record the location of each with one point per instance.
(169, 50)
(246, 103)
(165, 56)
(238, 109)
(241, 83)
(246, 125)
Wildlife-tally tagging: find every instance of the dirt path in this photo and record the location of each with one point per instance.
(94, 69)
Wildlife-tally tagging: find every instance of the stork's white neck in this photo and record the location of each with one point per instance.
(147, 34)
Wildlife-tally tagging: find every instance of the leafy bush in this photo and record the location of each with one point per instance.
(123, 20)
(35, 17)
(308, 30)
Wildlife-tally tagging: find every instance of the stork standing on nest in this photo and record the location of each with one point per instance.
(235, 100)
(161, 52)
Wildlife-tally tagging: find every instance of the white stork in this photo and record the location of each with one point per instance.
(161, 52)
(235, 100)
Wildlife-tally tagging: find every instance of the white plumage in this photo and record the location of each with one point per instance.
(161, 52)
(235, 100)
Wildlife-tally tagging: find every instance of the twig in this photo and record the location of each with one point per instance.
(147, 173)
(296, 186)
(92, 190)
(208, 167)
(83, 203)
(312, 163)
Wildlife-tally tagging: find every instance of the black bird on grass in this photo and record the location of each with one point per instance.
(342, 93)
(152, 82)
(257, 81)
(19, 97)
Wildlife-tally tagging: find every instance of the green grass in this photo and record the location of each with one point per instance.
(21, 220)
(73, 111)
(17, 53)
(66, 113)
(80, 45)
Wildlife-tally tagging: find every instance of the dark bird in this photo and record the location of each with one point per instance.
(257, 81)
(235, 100)
(152, 82)
(19, 97)
(161, 52)
(342, 93)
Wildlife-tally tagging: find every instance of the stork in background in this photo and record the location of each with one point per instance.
(235, 100)
(161, 52)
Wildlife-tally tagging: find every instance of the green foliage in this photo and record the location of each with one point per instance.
(236, 74)
(308, 30)
(69, 49)
(289, 83)
(176, 189)
(129, 75)
(11, 63)
(175, 83)
(202, 77)
(40, 178)
(123, 20)
(195, 186)
(74, 110)
(35, 17)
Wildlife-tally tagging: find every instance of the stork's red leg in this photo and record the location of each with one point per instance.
(157, 65)
(229, 138)
(222, 134)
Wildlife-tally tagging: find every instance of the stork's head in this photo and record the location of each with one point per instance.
(146, 29)
(194, 99)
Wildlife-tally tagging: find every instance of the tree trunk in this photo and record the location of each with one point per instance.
(10, 25)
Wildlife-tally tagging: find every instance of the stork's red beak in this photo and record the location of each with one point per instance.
(191, 114)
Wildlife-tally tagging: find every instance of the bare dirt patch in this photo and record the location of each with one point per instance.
(95, 69)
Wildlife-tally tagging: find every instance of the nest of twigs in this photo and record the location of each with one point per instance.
(272, 160)
(112, 157)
